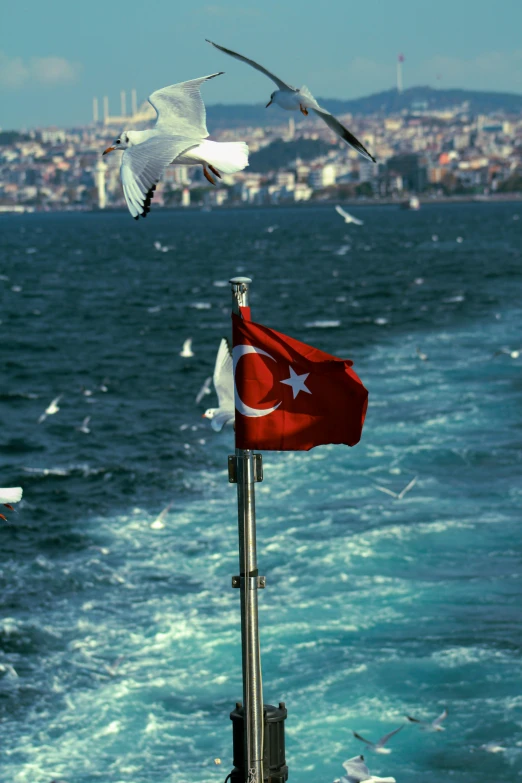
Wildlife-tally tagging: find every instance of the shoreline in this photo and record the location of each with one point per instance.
(20, 209)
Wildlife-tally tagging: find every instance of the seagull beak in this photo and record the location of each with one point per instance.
(109, 149)
(268, 104)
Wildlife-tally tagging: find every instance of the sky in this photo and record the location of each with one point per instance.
(55, 56)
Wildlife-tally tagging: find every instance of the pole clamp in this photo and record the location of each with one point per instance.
(254, 581)
(257, 460)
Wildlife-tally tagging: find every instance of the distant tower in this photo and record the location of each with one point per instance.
(95, 114)
(105, 109)
(134, 102)
(291, 129)
(99, 181)
(400, 60)
(185, 198)
(123, 99)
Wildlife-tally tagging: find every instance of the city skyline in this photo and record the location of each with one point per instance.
(53, 63)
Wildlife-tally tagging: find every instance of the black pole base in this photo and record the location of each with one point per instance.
(274, 761)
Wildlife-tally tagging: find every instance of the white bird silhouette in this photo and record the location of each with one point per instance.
(8, 496)
(357, 772)
(433, 725)
(378, 747)
(186, 351)
(493, 747)
(180, 137)
(205, 389)
(84, 427)
(224, 386)
(422, 356)
(51, 409)
(347, 217)
(399, 495)
(294, 99)
(159, 522)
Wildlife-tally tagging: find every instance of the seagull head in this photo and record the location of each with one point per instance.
(121, 143)
(271, 100)
(209, 413)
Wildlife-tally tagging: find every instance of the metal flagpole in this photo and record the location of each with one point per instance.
(245, 468)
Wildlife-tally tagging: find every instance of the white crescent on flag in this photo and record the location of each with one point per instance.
(246, 410)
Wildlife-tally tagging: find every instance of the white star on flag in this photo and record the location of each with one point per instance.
(297, 382)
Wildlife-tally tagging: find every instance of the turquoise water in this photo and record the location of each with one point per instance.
(119, 632)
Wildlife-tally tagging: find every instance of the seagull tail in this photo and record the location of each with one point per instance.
(10, 495)
(226, 156)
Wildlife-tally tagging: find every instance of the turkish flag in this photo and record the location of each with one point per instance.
(290, 396)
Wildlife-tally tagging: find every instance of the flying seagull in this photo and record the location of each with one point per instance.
(378, 746)
(8, 496)
(179, 136)
(347, 217)
(398, 495)
(357, 772)
(224, 385)
(205, 389)
(84, 427)
(433, 725)
(292, 99)
(186, 351)
(51, 409)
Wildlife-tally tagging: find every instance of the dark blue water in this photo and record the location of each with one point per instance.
(119, 633)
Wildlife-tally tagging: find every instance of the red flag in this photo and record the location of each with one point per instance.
(290, 396)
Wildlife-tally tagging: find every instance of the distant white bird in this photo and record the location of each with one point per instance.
(421, 355)
(357, 772)
(186, 351)
(433, 725)
(51, 409)
(8, 496)
(493, 747)
(347, 217)
(513, 354)
(179, 137)
(378, 747)
(224, 386)
(294, 99)
(160, 248)
(159, 522)
(400, 495)
(84, 427)
(205, 389)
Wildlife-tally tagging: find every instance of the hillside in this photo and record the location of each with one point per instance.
(387, 102)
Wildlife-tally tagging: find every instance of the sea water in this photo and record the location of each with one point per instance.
(119, 631)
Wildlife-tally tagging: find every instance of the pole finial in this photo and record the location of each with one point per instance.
(239, 292)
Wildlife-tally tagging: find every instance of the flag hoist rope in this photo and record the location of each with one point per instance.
(249, 585)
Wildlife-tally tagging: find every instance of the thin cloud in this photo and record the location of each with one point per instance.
(228, 10)
(15, 73)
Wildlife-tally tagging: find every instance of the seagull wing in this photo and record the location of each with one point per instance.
(388, 491)
(344, 133)
(340, 211)
(204, 389)
(414, 720)
(408, 487)
(220, 419)
(356, 769)
(280, 83)
(180, 108)
(441, 717)
(358, 736)
(187, 345)
(383, 740)
(224, 377)
(10, 494)
(142, 167)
